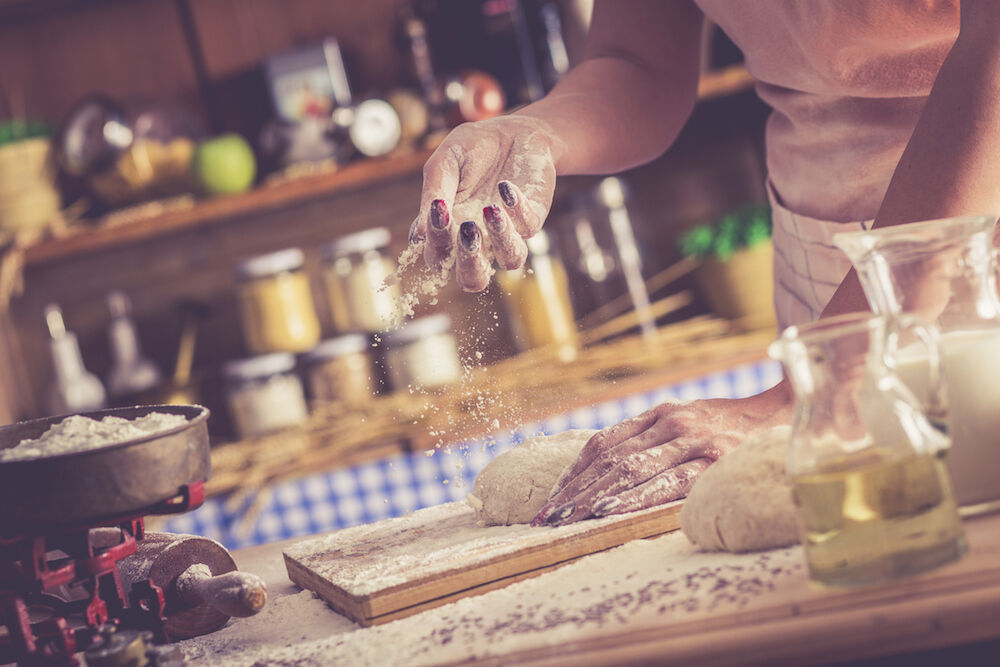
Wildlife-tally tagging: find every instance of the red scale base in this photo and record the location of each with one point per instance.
(73, 582)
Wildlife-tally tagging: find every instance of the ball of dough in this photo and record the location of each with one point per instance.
(743, 502)
(514, 486)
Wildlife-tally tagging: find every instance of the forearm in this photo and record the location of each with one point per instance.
(627, 101)
(950, 166)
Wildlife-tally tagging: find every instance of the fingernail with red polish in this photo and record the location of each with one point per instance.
(542, 515)
(415, 237)
(493, 218)
(469, 234)
(606, 506)
(507, 193)
(439, 215)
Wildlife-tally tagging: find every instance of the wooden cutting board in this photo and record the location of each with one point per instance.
(399, 567)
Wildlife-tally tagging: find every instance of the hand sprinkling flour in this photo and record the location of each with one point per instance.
(487, 187)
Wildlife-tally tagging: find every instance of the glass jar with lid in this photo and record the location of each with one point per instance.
(275, 303)
(355, 270)
(264, 394)
(422, 354)
(538, 302)
(340, 370)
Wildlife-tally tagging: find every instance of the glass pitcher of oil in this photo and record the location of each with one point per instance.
(873, 498)
(945, 271)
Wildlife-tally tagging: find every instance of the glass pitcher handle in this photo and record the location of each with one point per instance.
(936, 407)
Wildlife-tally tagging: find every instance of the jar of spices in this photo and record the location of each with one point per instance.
(355, 271)
(340, 370)
(537, 300)
(423, 353)
(275, 303)
(264, 394)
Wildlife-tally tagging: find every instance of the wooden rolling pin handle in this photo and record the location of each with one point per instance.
(233, 593)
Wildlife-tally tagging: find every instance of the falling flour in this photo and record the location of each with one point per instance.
(78, 434)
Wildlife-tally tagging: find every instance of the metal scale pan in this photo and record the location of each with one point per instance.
(88, 488)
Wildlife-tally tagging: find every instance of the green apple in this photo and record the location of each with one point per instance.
(224, 164)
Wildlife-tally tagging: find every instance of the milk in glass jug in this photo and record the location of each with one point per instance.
(945, 271)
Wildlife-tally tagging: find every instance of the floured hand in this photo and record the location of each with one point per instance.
(499, 173)
(656, 457)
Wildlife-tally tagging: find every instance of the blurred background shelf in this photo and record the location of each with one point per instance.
(87, 238)
(105, 233)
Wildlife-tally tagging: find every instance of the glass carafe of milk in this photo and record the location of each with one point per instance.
(873, 498)
(945, 271)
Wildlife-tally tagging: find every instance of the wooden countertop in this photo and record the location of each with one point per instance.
(795, 623)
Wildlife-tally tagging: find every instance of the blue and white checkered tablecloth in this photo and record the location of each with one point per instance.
(405, 482)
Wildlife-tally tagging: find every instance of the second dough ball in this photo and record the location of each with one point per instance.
(744, 501)
(514, 486)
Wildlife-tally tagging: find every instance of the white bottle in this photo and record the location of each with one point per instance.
(130, 371)
(75, 389)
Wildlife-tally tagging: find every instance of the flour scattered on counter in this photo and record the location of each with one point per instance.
(643, 584)
(78, 434)
(284, 622)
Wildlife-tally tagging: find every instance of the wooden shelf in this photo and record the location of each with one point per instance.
(85, 238)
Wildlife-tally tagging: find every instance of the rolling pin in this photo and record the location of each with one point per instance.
(201, 585)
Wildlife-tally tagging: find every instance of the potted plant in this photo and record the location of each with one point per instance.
(28, 198)
(736, 257)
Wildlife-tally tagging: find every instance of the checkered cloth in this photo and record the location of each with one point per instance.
(400, 484)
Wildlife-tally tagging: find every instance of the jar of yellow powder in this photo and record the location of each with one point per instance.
(355, 270)
(275, 303)
(537, 300)
(339, 370)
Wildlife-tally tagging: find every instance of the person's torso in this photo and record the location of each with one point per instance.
(847, 80)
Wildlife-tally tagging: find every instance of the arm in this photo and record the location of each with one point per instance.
(623, 105)
(636, 87)
(951, 165)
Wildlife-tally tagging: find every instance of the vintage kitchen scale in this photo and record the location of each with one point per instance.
(67, 524)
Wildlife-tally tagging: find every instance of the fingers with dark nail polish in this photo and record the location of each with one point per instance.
(439, 236)
(560, 514)
(472, 270)
(469, 234)
(606, 506)
(494, 220)
(415, 236)
(527, 215)
(439, 215)
(507, 193)
(508, 247)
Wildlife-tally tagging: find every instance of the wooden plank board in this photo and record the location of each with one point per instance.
(399, 567)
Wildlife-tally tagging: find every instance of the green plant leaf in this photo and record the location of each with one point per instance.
(697, 241)
(20, 129)
(743, 227)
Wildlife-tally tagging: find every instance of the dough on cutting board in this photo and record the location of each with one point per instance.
(514, 486)
(743, 502)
